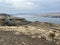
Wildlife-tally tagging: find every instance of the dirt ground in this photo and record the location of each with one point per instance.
(10, 38)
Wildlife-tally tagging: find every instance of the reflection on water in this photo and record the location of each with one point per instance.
(41, 19)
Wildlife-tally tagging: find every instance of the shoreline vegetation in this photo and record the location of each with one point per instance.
(19, 31)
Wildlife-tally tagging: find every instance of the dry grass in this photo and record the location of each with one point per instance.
(34, 32)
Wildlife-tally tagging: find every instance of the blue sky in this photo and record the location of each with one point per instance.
(29, 6)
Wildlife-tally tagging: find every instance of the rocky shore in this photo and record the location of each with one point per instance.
(31, 33)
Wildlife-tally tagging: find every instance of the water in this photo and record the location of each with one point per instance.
(41, 19)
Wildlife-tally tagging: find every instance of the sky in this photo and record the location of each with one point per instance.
(29, 6)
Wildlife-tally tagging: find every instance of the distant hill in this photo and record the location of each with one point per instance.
(54, 15)
(23, 14)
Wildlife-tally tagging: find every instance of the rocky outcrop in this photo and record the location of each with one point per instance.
(8, 20)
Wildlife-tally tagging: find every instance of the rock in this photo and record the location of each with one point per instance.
(8, 20)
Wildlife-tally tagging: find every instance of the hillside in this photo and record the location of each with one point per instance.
(36, 34)
(19, 31)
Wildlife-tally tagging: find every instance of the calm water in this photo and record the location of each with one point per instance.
(41, 19)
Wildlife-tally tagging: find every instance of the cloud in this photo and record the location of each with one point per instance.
(23, 5)
(20, 4)
(0, 0)
(33, 5)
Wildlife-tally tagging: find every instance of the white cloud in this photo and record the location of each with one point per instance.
(20, 4)
(1, 0)
(32, 4)
(23, 4)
